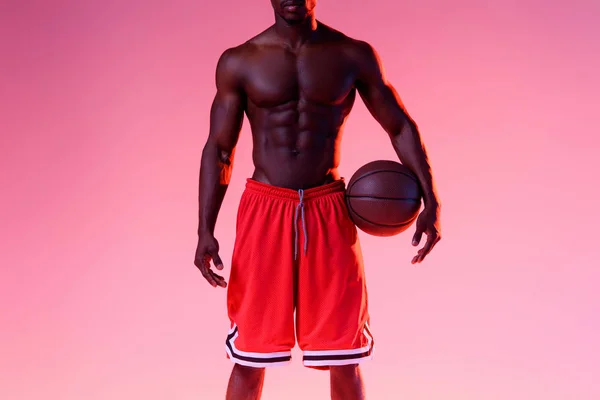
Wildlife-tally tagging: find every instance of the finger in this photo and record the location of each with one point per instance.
(417, 237)
(217, 260)
(215, 276)
(207, 273)
(414, 260)
(219, 279)
(424, 251)
(434, 242)
(431, 241)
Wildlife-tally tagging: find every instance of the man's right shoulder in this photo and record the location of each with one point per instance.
(234, 59)
(242, 52)
(233, 62)
(231, 58)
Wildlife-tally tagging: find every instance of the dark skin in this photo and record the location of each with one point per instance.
(297, 82)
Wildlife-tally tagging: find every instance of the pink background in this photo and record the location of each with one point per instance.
(103, 114)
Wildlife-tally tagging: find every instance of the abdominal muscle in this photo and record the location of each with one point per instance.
(308, 161)
(296, 150)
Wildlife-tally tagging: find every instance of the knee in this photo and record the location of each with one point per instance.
(346, 383)
(248, 373)
(345, 371)
(245, 383)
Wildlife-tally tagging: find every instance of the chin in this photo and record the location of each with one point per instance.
(294, 18)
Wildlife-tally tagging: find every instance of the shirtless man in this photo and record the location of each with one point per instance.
(297, 271)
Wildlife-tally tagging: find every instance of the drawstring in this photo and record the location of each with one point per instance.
(300, 210)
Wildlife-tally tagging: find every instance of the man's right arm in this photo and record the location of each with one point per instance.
(226, 116)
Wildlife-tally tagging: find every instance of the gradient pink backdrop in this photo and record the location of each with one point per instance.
(103, 114)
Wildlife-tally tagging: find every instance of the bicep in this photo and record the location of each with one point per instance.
(379, 96)
(226, 116)
(227, 110)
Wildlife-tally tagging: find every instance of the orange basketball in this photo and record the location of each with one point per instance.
(384, 198)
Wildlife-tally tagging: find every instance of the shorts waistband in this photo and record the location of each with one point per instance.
(291, 194)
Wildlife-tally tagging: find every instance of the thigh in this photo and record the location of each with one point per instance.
(332, 314)
(260, 300)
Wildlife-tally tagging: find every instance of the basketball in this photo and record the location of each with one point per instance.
(384, 198)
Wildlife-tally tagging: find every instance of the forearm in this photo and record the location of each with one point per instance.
(215, 174)
(410, 149)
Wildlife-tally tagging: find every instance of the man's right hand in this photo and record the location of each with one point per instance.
(207, 251)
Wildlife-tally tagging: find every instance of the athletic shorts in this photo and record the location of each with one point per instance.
(297, 274)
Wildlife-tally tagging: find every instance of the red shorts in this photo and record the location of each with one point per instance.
(297, 273)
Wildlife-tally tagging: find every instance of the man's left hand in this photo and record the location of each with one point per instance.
(428, 223)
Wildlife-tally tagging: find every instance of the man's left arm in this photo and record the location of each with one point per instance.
(385, 105)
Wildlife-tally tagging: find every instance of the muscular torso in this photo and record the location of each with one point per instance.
(297, 101)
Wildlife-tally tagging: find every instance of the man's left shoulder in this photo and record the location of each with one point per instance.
(355, 48)
(361, 49)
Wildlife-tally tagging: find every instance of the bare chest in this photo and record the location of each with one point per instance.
(317, 75)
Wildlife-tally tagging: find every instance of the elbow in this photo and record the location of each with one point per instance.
(219, 160)
(403, 126)
(409, 125)
(223, 155)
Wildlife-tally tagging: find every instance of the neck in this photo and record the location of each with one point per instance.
(295, 34)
